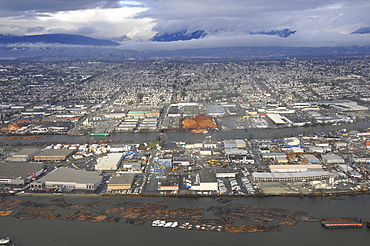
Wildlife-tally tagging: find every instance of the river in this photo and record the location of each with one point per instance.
(60, 233)
(187, 136)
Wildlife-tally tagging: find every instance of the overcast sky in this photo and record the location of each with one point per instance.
(229, 22)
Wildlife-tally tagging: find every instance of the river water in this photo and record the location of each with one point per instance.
(58, 232)
(187, 136)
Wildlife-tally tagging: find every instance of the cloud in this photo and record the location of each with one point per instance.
(36, 29)
(317, 22)
(319, 39)
(105, 19)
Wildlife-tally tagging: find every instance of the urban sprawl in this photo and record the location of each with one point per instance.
(100, 100)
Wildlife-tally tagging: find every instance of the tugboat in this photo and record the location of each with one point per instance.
(6, 241)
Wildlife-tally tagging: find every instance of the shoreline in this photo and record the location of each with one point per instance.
(300, 195)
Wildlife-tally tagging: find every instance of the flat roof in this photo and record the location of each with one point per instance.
(125, 179)
(287, 175)
(64, 174)
(207, 176)
(25, 152)
(309, 166)
(111, 159)
(14, 170)
(55, 152)
(331, 157)
(276, 118)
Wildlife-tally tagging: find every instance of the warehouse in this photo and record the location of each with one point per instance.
(225, 173)
(54, 155)
(276, 119)
(190, 110)
(216, 110)
(19, 173)
(69, 179)
(24, 155)
(170, 184)
(330, 159)
(238, 143)
(294, 168)
(131, 167)
(121, 182)
(301, 176)
(145, 112)
(273, 155)
(204, 181)
(312, 159)
(109, 162)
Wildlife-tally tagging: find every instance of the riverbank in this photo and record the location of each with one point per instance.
(300, 195)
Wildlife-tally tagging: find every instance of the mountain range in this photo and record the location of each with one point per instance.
(362, 30)
(67, 39)
(284, 33)
(178, 36)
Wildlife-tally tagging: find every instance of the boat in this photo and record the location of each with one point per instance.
(6, 241)
(100, 134)
(342, 223)
(199, 131)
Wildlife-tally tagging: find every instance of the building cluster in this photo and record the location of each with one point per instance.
(99, 97)
(307, 164)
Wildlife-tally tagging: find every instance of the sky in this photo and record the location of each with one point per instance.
(229, 22)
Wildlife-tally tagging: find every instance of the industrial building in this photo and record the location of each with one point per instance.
(276, 119)
(205, 151)
(204, 181)
(238, 143)
(109, 162)
(330, 159)
(294, 168)
(131, 167)
(312, 159)
(170, 184)
(24, 155)
(54, 155)
(225, 173)
(190, 110)
(19, 173)
(121, 182)
(216, 110)
(69, 179)
(145, 112)
(300, 176)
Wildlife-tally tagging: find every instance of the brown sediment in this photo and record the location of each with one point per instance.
(5, 213)
(83, 212)
(114, 210)
(84, 217)
(135, 221)
(32, 137)
(137, 213)
(309, 218)
(112, 219)
(35, 213)
(263, 220)
(48, 216)
(99, 218)
(130, 215)
(252, 228)
(9, 203)
(68, 217)
(291, 222)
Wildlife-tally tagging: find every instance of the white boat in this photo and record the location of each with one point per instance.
(5, 241)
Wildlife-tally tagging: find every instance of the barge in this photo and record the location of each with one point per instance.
(342, 223)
